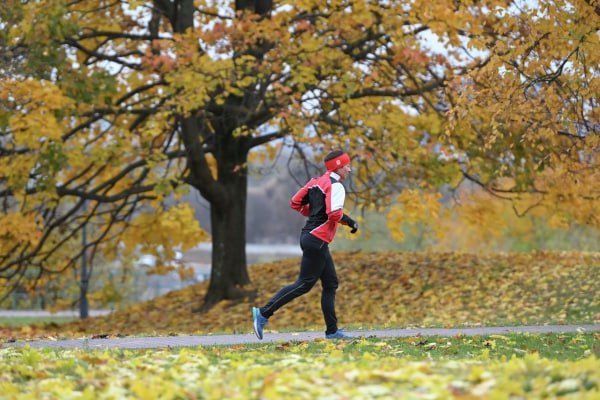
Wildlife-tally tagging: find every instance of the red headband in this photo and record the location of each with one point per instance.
(338, 162)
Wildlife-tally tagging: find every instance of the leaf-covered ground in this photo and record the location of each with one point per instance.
(492, 367)
(389, 289)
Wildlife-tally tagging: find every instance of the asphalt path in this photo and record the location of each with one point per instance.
(272, 337)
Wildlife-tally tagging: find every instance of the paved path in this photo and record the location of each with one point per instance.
(42, 313)
(210, 340)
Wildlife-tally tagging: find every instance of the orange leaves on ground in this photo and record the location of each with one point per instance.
(390, 289)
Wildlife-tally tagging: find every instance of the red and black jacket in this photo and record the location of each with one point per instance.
(322, 201)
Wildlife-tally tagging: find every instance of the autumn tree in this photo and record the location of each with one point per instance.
(524, 126)
(117, 106)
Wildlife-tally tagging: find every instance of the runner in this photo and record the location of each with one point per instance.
(322, 201)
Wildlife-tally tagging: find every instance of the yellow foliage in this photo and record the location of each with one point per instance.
(359, 368)
(559, 221)
(18, 230)
(476, 220)
(415, 208)
(212, 165)
(35, 121)
(521, 112)
(163, 231)
(186, 273)
(133, 113)
(344, 232)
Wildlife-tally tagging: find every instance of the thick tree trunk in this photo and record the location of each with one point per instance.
(227, 196)
(229, 272)
(228, 192)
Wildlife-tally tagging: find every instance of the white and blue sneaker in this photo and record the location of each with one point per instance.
(259, 322)
(339, 334)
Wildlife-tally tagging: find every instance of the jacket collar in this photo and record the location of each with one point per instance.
(335, 176)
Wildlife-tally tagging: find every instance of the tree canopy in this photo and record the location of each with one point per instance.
(110, 108)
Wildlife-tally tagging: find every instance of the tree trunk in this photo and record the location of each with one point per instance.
(84, 278)
(228, 192)
(229, 272)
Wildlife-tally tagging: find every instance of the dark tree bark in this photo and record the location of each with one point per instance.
(228, 195)
(228, 221)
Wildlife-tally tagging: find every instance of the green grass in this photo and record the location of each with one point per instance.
(564, 346)
(523, 366)
(23, 321)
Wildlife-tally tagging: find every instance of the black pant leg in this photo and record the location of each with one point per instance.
(311, 268)
(329, 282)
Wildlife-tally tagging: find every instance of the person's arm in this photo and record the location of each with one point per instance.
(338, 196)
(300, 201)
(335, 202)
(346, 220)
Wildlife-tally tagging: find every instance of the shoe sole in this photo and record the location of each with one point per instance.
(341, 336)
(255, 323)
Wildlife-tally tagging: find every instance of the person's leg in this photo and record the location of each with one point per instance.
(311, 268)
(329, 281)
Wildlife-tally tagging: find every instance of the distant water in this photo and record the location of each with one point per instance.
(255, 248)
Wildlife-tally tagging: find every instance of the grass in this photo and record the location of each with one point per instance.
(496, 367)
(378, 290)
(566, 346)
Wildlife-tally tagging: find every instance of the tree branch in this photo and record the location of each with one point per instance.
(118, 35)
(117, 59)
(201, 177)
(258, 141)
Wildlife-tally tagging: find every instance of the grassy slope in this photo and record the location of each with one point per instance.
(390, 289)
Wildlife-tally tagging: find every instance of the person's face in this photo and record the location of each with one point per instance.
(344, 171)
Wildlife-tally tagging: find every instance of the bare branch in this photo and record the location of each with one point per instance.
(258, 141)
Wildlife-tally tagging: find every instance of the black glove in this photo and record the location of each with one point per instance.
(350, 222)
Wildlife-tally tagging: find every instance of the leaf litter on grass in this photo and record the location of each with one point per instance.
(379, 289)
(362, 368)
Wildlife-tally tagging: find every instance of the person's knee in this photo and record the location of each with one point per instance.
(304, 286)
(330, 286)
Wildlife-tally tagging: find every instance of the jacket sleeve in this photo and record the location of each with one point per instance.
(300, 201)
(335, 209)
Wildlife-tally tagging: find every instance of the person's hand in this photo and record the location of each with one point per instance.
(346, 220)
